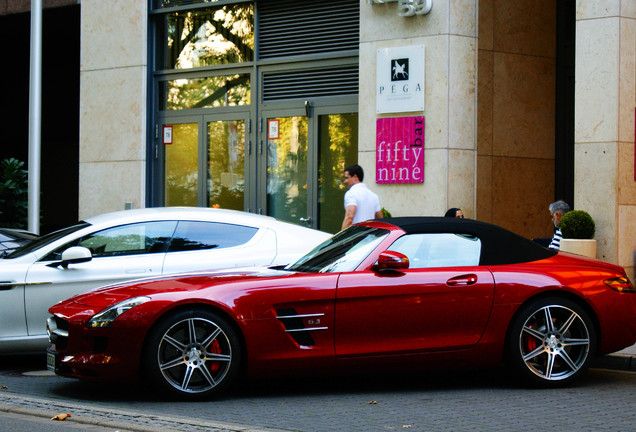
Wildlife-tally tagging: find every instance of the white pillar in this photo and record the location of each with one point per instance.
(35, 116)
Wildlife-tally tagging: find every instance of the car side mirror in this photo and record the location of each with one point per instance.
(392, 260)
(73, 255)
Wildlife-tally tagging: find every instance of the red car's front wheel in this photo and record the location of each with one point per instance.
(194, 354)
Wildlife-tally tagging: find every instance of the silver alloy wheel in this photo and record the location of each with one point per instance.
(554, 342)
(194, 355)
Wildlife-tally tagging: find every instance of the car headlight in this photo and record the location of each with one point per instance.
(106, 317)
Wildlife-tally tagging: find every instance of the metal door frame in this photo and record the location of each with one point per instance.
(202, 119)
(312, 110)
(270, 113)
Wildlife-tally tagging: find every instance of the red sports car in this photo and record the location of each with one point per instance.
(415, 292)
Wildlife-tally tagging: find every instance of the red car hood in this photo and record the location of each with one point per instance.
(111, 294)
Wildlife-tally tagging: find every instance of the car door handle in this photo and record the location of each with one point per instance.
(469, 279)
(138, 271)
(7, 285)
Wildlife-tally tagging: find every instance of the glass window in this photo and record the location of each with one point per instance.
(338, 148)
(182, 170)
(439, 250)
(206, 37)
(45, 240)
(208, 92)
(133, 239)
(287, 170)
(343, 252)
(226, 162)
(209, 235)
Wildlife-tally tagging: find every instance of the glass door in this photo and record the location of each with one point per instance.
(181, 153)
(205, 162)
(337, 149)
(225, 186)
(304, 158)
(293, 173)
(286, 158)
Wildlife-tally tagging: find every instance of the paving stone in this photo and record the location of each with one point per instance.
(458, 401)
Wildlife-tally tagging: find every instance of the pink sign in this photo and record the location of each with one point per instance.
(399, 150)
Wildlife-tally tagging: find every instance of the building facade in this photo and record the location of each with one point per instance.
(259, 105)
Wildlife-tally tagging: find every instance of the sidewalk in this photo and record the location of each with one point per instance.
(91, 417)
(621, 360)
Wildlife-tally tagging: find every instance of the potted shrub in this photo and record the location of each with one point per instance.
(577, 228)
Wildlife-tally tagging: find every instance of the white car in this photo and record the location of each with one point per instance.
(129, 245)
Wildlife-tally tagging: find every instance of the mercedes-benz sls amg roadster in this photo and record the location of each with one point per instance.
(387, 294)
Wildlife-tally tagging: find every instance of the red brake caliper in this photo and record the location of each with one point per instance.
(531, 343)
(215, 348)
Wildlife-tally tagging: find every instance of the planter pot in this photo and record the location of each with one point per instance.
(580, 247)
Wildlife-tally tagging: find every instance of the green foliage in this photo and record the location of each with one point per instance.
(209, 37)
(227, 198)
(338, 149)
(386, 213)
(13, 194)
(577, 224)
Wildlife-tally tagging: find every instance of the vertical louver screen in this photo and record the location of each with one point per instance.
(340, 81)
(300, 27)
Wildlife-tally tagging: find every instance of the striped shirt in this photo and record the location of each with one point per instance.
(556, 240)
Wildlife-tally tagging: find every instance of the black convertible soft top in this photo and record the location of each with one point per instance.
(498, 245)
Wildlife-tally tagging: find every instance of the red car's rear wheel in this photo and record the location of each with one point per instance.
(194, 354)
(551, 342)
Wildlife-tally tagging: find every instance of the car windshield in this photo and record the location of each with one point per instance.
(45, 240)
(8, 234)
(342, 252)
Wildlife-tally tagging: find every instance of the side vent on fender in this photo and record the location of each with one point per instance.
(300, 326)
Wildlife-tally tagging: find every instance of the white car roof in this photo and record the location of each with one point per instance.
(182, 213)
(196, 214)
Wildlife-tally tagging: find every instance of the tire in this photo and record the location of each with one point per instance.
(551, 342)
(192, 354)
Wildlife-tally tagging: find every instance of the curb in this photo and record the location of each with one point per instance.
(116, 418)
(624, 362)
(83, 420)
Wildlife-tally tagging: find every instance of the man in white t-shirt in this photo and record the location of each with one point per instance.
(360, 203)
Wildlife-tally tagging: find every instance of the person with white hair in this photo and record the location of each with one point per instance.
(557, 210)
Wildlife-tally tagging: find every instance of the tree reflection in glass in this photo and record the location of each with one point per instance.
(181, 166)
(203, 38)
(338, 149)
(226, 160)
(207, 37)
(287, 170)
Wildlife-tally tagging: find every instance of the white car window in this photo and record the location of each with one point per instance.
(439, 250)
(132, 239)
(191, 235)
